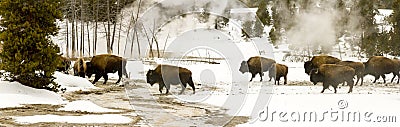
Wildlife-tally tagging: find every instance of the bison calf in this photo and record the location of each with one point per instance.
(333, 75)
(256, 65)
(165, 75)
(100, 65)
(277, 71)
(80, 68)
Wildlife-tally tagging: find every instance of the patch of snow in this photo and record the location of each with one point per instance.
(72, 83)
(85, 106)
(105, 118)
(14, 94)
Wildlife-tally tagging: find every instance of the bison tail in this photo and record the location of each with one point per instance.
(191, 84)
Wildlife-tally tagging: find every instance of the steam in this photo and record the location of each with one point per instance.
(317, 27)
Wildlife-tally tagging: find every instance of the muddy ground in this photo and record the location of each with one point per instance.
(145, 109)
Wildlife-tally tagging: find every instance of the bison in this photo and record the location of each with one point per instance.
(80, 67)
(256, 65)
(65, 65)
(316, 61)
(359, 67)
(332, 75)
(277, 71)
(379, 66)
(100, 65)
(165, 75)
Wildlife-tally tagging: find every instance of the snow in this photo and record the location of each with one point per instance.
(105, 118)
(85, 106)
(14, 94)
(72, 83)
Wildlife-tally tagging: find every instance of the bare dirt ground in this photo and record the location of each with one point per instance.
(143, 109)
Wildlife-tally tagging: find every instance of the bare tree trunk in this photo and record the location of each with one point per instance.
(73, 30)
(136, 33)
(129, 29)
(88, 37)
(109, 50)
(67, 47)
(82, 31)
(95, 28)
(165, 44)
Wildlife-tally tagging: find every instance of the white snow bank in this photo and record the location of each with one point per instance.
(106, 118)
(85, 106)
(72, 83)
(14, 94)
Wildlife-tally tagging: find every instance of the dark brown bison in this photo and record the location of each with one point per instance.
(277, 71)
(167, 75)
(100, 65)
(80, 67)
(359, 67)
(317, 61)
(379, 66)
(65, 65)
(333, 75)
(256, 65)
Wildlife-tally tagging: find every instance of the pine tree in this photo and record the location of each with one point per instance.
(395, 32)
(369, 35)
(28, 53)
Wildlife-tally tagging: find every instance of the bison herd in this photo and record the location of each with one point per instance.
(328, 70)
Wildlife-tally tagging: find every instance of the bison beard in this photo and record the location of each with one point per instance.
(332, 75)
(166, 75)
(100, 65)
(256, 65)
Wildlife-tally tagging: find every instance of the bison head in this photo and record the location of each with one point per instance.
(89, 69)
(307, 67)
(315, 76)
(244, 67)
(152, 77)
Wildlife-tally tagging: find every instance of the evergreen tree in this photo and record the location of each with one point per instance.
(28, 53)
(395, 32)
(369, 35)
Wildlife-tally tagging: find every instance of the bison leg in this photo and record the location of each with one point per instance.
(191, 84)
(350, 82)
(183, 87)
(376, 78)
(384, 78)
(160, 87)
(325, 86)
(105, 76)
(334, 87)
(120, 76)
(261, 76)
(252, 76)
(285, 82)
(96, 78)
(167, 86)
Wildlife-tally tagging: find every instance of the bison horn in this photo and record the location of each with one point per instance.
(316, 72)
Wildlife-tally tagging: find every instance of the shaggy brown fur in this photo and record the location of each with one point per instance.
(100, 65)
(277, 71)
(65, 65)
(256, 65)
(80, 67)
(317, 61)
(359, 67)
(379, 66)
(333, 75)
(166, 75)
